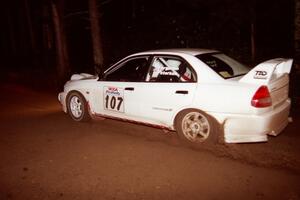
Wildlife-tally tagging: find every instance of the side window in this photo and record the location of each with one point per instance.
(132, 70)
(170, 69)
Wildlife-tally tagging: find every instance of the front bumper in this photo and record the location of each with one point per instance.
(256, 128)
(62, 99)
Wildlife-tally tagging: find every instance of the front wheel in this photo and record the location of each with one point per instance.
(194, 126)
(77, 107)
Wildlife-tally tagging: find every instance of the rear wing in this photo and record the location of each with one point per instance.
(268, 70)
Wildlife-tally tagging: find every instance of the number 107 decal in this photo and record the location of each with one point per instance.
(113, 99)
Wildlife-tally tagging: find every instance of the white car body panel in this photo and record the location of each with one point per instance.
(156, 104)
(226, 100)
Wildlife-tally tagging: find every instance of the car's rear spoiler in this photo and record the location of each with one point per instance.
(266, 71)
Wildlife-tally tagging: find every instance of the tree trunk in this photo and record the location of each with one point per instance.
(11, 32)
(61, 49)
(297, 32)
(30, 27)
(34, 50)
(48, 39)
(253, 30)
(96, 37)
(253, 43)
(133, 9)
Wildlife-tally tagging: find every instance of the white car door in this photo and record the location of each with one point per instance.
(169, 88)
(119, 89)
(135, 92)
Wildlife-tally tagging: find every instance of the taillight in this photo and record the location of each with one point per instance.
(261, 98)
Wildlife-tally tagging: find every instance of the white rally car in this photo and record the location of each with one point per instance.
(198, 93)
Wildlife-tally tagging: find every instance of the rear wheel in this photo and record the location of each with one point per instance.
(77, 107)
(194, 126)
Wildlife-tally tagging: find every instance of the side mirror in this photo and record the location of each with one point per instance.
(99, 71)
(101, 76)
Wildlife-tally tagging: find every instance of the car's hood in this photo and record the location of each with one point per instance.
(83, 76)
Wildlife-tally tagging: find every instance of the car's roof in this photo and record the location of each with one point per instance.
(179, 51)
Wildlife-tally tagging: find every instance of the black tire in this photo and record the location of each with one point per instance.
(194, 126)
(77, 107)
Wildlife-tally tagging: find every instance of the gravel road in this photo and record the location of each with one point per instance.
(45, 155)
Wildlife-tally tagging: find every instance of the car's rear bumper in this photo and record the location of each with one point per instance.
(256, 128)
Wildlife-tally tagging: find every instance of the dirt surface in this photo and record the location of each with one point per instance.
(46, 155)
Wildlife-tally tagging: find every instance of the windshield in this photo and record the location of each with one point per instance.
(224, 65)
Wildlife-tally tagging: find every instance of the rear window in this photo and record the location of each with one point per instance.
(224, 65)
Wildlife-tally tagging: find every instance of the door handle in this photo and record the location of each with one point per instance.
(182, 92)
(129, 88)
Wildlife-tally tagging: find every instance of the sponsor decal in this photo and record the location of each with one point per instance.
(112, 91)
(163, 109)
(259, 74)
(113, 98)
(169, 73)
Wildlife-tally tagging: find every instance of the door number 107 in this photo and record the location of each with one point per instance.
(113, 103)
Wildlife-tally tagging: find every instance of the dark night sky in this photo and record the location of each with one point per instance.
(136, 25)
